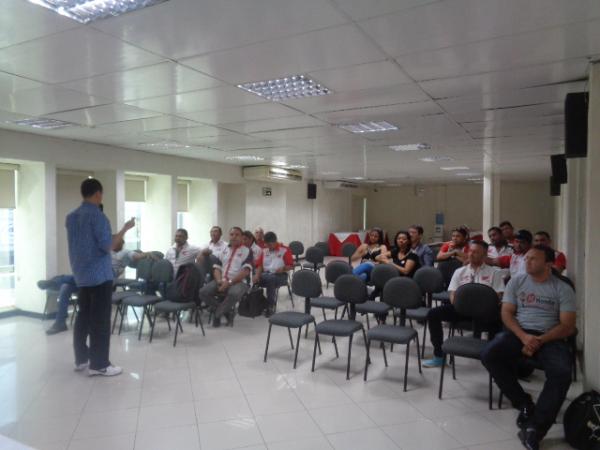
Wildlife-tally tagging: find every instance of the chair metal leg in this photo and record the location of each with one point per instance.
(442, 377)
(337, 354)
(268, 339)
(318, 341)
(368, 324)
(324, 315)
(349, 356)
(500, 398)
(384, 354)
(490, 393)
(315, 352)
(418, 353)
(297, 346)
(291, 340)
(199, 321)
(137, 319)
(367, 359)
(453, 362)
(114, 324)
(365, 340)
(335, 313)
(144, 312)
(406, 365)
(177, 327)
(423, 341)
(152, 325)
(344, 311)
(123, 314)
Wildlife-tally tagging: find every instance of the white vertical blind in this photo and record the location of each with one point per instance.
(135, 190)
(183, 196)
(7, 186)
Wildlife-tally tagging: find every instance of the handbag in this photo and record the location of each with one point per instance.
(253, 303)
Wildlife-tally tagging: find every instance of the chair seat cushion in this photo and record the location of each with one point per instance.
(373, 307)
(141, 300)
(392, 333)
(338, 327)
(169, 306)
(467, 347)
(326, 302)
(309, 265)
(117, 297)
(418, 314)
(291, 319)
(443, 297)
(124, 282)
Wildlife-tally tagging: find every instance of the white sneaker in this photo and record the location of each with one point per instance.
(109, 371)
(81, 367)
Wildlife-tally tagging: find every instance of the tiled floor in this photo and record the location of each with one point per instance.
(215, 392)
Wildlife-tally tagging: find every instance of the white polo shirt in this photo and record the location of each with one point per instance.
(494, 252)
(488, 275)
(233, 261)
(178, 257)
(217, 248)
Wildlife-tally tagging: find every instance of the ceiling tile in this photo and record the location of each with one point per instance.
(390, 113)
(190, 134)
(242, 113)
(282, 123)
(150, 81)
(333, 47)
(9, 84)
(149, 124)
(359, 9)
(99, 115)
(73, 54)
(545, 109)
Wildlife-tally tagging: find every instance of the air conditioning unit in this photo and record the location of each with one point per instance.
(269, 173)
(339, 185)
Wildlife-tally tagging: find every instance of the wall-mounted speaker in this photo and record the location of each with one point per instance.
(554, 188)
(576, 124)
(312, 191)
(559, 168)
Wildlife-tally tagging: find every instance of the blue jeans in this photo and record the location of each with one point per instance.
(500, 358)
(363, 270)
(65, 285)
(272, 281)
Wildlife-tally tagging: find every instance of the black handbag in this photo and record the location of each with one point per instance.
(582, 422)
(253, 303)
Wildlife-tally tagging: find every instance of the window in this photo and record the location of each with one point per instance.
(183, 220)
(7, 257)
(133, 238)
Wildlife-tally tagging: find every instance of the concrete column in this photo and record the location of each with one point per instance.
(491, 195)
(592, 243)
(202, 210)
(113, 198)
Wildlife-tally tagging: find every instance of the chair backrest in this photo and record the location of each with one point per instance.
(447, 268)
(144, 269)
(324, 246)
(350, 289)
(157, 255)
(477, 301)
(314, 255)
(429, 279)
(133, 262)
(306, 283)
(162, 271)
(348, 249)
(382, 273)
(403, 293)
(296, 247)
(335, 269)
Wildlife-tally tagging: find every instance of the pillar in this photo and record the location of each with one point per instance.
(491, 195)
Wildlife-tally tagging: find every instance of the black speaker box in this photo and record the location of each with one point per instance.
(312, 191)
(559, 168)
(554, 187)
(576, 124)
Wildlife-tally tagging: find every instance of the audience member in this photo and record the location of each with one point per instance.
(272, 267)
(498, 244)
(515, 262)
(508, 231)
(259, 236)
(457, 248)
(216, 246)
(181, 252)
(423, 251)
(121, 258)
(538, 311)
(402, 256)
(369, 254)
(474, 272)
(249, 241)
(560, 260)
(228, 286)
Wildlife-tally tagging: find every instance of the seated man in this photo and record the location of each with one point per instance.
(181, 252)
(259, 236)
(249, 241)
(457, 248)
(474, 272)
(229, 279)
(423, 251)
(515, 262)
(560, 260)
(272, 267)
(538, 311)
(498, 244)
(508, 231)
(216, 246)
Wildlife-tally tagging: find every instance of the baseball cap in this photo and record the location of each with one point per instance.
(524, 235)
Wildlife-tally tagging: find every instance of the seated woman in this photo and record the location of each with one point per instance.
(370, 253)
(402, 257)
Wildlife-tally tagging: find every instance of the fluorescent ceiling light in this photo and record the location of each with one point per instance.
(455, 168)
(330, 173)
(467, 174)
(43, 124)
(278, 163)
(436, 158)
(164, 144)
(475, 179)
(368, 127)
(295, 166)
(86, 11)
(286, 88)
(245, 158)
(356, 178)
(410, 147)
(375, 181)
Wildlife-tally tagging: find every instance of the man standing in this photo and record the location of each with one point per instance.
(538, 311)
(90, 244)
(272, 268)
(423, 251)
(474, 272)
(181, 252)
(228, 286)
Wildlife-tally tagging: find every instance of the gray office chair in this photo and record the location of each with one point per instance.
(352, 290)
(402, 293)
(313, 259)
(307, 284)
(348, 250)
(447, 268)
(143, 275)
(324, 246)
(297, 249)
(380, 275)
(333, 271)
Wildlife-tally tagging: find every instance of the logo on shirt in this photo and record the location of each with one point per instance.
(530, 300)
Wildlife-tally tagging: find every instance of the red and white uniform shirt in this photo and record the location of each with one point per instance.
(233, 261)
(256, 253)
(560, 261)
(217, 248)
(515, 263)
(273, 260)
(447, 246)
(178, 256)
(494, 252)
(484, 274)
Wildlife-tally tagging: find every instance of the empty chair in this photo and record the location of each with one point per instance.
(297, 248)
(352, 290)
(324, 246)
(307, 284)
(402, 293)
(143, 274)
(313, 259)
(380, 275)
(447, 269)
(348, 250)
(479, 303)
(430, 280)
(333, 271)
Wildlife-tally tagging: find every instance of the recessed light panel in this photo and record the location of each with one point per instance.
(467, 174)
(436, 158)
(245, 158)
(410, 147)
(86, 11)
(43, 124)
(165, 144)
(286, 88)
(455, 168)
(368, 127)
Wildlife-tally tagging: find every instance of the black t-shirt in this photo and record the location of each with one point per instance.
(402, 262)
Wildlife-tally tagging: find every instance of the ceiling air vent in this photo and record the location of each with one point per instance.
(269, 173)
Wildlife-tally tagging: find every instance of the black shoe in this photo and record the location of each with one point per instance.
(56, 328)
(216, 322)
(229, 317)
(44, 284)
(529, 438)
(525, 414)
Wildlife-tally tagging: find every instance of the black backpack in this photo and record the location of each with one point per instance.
(187, 283)
(253, 303)
(582, 422)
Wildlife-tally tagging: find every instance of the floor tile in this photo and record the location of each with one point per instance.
(229, 434)
(109, 423)
(166, 416)
(421, 435)
(472, 429)
(274, 402)
(113, 400)
(335, 419)
(287, 427)
(317, 443)
(180, 438)
(362, 439)
(121, 442)
(216, 389)
(390, 412)
(218, 409)
(166, 394)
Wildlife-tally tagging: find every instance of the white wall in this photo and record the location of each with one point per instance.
(528, 205)
(232, 206)
(159, 214)
(202, 210)
(68, 198)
